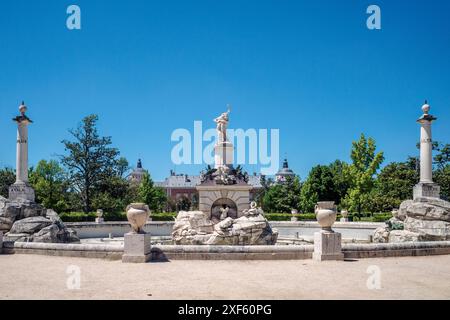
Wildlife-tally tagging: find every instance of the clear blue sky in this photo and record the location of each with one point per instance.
(309, 68)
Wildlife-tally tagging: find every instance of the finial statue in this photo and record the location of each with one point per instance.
(22, 108)
(222, 123)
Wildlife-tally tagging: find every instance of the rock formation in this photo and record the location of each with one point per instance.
(422, 219)
(194, 227)
(26, 221)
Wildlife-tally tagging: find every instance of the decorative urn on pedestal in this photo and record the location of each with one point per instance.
(294, 213)
(137, 215)
(325, 214)
(327, 243)
(344, 214)
(137, 243)
(99, 215)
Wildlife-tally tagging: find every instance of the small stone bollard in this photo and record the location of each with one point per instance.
(327, 243)
(137, 245)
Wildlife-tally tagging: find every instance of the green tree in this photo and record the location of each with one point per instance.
(365, 163)
(442, 158)
(282, 197)
(7, 178)
(50, 183)
(393, 185)
(442, 177)
(153, 196)
(441, 174)
(341, 179)
(90, 159)
(319, 186)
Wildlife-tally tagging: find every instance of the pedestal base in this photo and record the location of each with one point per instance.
(426, 190)
(327, 246)
(343, 220)
(223, 154)
(137, 248)
(99, 220)
(22, 191)
(1, 242)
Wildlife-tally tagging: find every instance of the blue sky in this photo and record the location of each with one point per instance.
(311, 69)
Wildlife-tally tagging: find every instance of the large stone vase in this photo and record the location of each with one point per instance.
(137, 215)
(326, 214)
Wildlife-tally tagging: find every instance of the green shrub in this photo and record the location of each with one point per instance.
(164, 216)
(77, 217)
(288, 216)
(111, 216)
(383, 217)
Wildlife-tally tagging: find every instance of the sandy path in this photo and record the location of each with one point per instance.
(44, 277)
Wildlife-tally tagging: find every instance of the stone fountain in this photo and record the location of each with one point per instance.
(225, 214)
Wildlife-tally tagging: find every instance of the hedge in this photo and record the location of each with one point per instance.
(111, 216)
(170, 216)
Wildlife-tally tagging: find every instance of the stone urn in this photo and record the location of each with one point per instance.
(137, 215)
(99, 213)
(325, 214)
(294, 212)
(344, 214)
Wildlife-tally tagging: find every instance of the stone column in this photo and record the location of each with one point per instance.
(426, 187)
(1, 242)
(22, 151)
(21, 189)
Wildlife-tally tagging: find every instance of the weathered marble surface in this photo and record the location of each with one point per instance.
(194, 227)
(422, 219)
(26, 221)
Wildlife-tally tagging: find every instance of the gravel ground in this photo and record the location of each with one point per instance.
(43, 277)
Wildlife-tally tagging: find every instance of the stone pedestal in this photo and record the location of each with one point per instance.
(327, 246)
(1, 242)
(21, 190)
(223, 154)
(426, 190)
(99, 220)
(343, 220)
(137, 248)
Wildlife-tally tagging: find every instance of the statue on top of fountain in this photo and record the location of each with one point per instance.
(222, 124)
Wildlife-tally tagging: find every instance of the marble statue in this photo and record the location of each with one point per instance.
(222, 124)
(224, 213)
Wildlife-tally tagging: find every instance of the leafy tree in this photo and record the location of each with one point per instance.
(50, 184)
(282, 197)
(341, 179)
(442, 177)
(394, 184)
(266, 183)
(183, 204)
(7, 178)
(90, 159)
(153, 196)
(319, 186)
(442, 159)
(365, 163)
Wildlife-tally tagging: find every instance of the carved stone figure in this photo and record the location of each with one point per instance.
(194, 227)
(222, 124)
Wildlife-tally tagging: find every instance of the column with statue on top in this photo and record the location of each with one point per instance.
(21, 190)
(426, 188)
